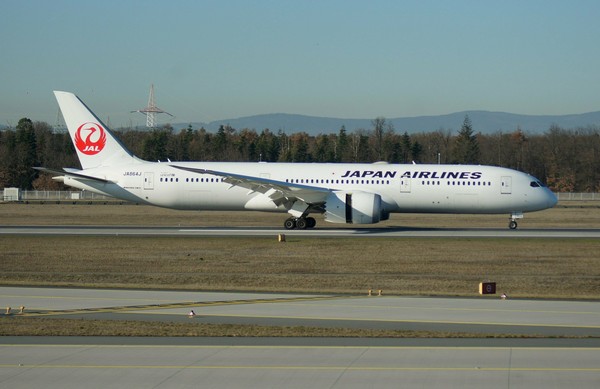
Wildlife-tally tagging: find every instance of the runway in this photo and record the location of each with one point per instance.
(399, 232)
(301, 362)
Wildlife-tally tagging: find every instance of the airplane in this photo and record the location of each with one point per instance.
(350, 193)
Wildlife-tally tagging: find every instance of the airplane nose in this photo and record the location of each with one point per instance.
(552, 199)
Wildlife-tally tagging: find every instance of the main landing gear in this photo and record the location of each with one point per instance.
(300, 223)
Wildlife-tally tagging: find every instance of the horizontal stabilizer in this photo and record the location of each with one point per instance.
(71, 173)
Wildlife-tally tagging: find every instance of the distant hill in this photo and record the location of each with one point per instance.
(485, 122)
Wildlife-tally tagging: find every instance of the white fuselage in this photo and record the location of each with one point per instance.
(403, 188)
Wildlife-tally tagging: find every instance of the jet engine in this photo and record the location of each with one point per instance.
(353, 207)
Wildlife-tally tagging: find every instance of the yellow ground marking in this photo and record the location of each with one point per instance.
(54, 297)
(400, 320)
(426, 308)
(295, 300)
(171, 305)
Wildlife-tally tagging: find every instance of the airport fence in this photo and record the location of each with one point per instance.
(578, 196)
(15, 194)
(10, 194)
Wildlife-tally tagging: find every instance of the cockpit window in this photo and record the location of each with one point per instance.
(536, 184)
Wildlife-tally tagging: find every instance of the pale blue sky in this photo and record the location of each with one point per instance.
(223, 59)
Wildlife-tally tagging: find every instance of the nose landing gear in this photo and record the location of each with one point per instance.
(512, 223)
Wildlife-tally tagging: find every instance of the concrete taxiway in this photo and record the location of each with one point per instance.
(322, 362)
(399, 232)
(165, 366)
(473, 315)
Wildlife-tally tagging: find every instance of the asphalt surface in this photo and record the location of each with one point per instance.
(96, 365)
(58, 362)
(317, 232)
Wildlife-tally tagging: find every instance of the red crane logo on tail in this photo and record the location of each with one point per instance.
(93, 142)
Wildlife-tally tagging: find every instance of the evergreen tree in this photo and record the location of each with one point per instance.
(267, 146)
(342, 147)
(406, 148)
(324, 152)
(466, 149)
(25, 155)
(416, 150)
(155, 146)
(300, 151)
(7, 158)
(220, 141)
(378, 128)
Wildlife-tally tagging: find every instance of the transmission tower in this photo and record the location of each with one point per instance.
(151, 110)
(59, 127)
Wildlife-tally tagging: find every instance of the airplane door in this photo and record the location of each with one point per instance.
(405, 185)
(349, 208)
(148, 181)
(506, 185)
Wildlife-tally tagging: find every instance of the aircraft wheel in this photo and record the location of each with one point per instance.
(289, 224)
(301, 223)
(512, 225)
(311, 222)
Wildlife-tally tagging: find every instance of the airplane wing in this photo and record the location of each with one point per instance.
(279, 192)
(71, 173)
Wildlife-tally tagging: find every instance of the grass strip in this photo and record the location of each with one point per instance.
(27, 326)
(525, 267)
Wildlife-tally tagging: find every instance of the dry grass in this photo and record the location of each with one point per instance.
(24, 326)
(568, 268)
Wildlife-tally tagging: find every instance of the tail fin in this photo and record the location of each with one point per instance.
(95, 144)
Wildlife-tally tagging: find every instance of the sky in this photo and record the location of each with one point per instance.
(211, 60)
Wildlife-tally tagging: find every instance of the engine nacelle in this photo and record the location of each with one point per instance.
(354, 207)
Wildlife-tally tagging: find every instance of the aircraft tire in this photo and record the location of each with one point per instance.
(512, 225)
(301, 223)
(311, 222)
(289, 224)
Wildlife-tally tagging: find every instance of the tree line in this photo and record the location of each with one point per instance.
(567, 160)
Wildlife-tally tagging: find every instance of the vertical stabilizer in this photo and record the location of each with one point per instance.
(94, 143)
